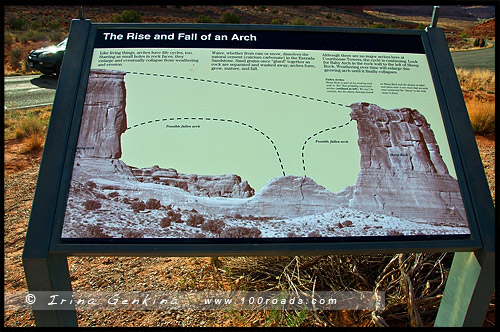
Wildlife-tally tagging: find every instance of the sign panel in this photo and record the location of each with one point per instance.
(210, 135)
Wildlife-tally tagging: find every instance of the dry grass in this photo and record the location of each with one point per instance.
(34, 142)
(482, 116)
(29, 126)
(403, 278)
(476, 79)
(478, 86)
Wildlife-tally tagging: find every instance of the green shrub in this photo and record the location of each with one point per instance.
(127, 16)
(34, 25)
(378, 26)
(7, 38)
(298, 21)
(19, 24)
(32, 35)
(204, 19)
(53, 24)
(56, 36)
(229, 18)
(16, 53)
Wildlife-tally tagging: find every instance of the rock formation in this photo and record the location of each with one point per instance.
(104, 118)
(291, 196)
(402, 171)
(228, 185)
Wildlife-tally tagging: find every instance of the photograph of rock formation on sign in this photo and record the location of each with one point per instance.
(403, 186)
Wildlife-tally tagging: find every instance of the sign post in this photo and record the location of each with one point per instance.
(240, 140)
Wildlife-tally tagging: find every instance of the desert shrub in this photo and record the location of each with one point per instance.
(53, 24)
(482, 116)
(241, 232)
(195, 220)
(204, 19)
(113, 194)
(314, 234)
(227, 17)
(213, 226)
(91, 204)
(34, 24)
(9, 18)
(56, 36)
(153, 204)
(19, 23)
(275, 21)
(7, 38)
(165, 222)
(127, 16)
(394, 232)
(95, 231)
(298, 21)
(378, 26)
(100, 195)
(476, 79)
(16, 55)
(33, 143)
(138, 206)
(174, 217)
(132, 234)
(32, 35)
(30, 126)
(91, 184)
(292, 234)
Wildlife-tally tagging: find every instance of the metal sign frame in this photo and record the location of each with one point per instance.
(45, 253)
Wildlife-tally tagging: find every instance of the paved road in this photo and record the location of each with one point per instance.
(484, 58)
(29, 91)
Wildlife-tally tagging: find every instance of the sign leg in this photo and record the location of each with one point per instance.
(468, 290)
(47, 275)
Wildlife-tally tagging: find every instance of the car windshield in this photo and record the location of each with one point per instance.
(63, 43)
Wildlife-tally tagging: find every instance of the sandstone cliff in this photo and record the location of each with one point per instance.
(402, 171)
(104, 119)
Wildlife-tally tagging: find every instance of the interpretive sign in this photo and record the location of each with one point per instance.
(230, 134)
(211, 140)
